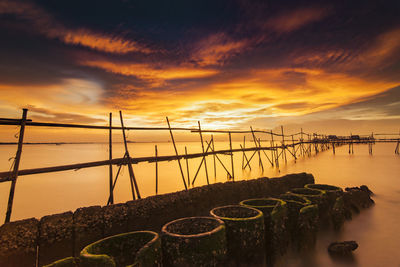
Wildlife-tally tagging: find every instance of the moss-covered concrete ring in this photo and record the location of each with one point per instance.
(275, 219)
(141, 248)
(67, 262)
(294, 204)
(324, 187)
(307, 227)
(331, 191)
(244, 232)
(319, 198)
(315, 196)
(194, 241)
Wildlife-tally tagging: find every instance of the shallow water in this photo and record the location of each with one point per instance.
(376, 230)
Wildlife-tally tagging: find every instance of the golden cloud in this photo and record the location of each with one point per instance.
(147, 72)
(217, 48)
(47, 25)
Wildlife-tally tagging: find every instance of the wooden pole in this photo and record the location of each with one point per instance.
(258, 151)
(156, 154)
(222, 164)
(215, 165)
(247, 160)
(130, 169)
(230, 146)
(259, 145)
(275, 150)
(203, 160)
(301, 142)
(187, 166)
(176, 152)
(16, 165)
(110, 168)
(204, 157)
(283, 144)
(294, 150)
(244, 146)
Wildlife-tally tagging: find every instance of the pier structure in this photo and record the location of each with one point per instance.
(270, 147)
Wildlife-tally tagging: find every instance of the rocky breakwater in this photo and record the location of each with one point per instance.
(53, 237)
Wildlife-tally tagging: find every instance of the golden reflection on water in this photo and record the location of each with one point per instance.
(375, 230)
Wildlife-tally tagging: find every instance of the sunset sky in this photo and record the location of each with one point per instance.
(230, 64)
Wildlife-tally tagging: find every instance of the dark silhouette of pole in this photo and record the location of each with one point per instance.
(16, 165)
(130, 169)
(110, 168)
(176, 152)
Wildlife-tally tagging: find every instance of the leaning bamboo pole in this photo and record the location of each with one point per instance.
(16, 165)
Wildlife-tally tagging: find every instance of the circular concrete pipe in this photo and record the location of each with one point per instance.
(244, 233)
(141, 248)
(275, 219)
(194, 241)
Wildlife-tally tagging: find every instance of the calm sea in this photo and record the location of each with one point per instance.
(376, 230)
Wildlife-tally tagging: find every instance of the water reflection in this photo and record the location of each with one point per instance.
(375, 229)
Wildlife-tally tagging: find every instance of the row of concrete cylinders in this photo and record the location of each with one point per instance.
(256, 231)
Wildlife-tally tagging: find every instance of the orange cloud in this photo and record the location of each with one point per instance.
(217, 48)
(100, 42)
(148, 72)
(384, 47)
(296, 19)
(47, 25)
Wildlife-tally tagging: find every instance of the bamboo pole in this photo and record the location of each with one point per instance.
(215, 165)
(16, 165)
(110, 168)
(283, 144)
(176, 152)
(130, 169)
(294, 150)
(203, 160)
(115, 181)
(156, 154)
(187, 166)
(247, 160)
(204, 157)
(275, 151)
(258, 151)
(230, 146)
(244, 146)
(259, 145)
(219, 160)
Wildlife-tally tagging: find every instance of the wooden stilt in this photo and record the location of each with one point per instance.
(270, 161)
(215, 165)
(110, 168)
(130, 169)
(294, 150)
(187, 166)
(204, 157)
(258, 151)
(283, 144)
(247, 160)
(156, 162)
(16, 165)
(176, 152)
(230, 146)
(203, 160)
(244, 146)
(219, 160)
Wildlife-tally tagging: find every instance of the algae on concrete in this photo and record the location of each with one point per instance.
(194, 241)
(142, 248)
(245, 232)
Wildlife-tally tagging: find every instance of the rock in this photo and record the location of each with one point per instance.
(366, 189)
(344, 248)
(356, 199)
